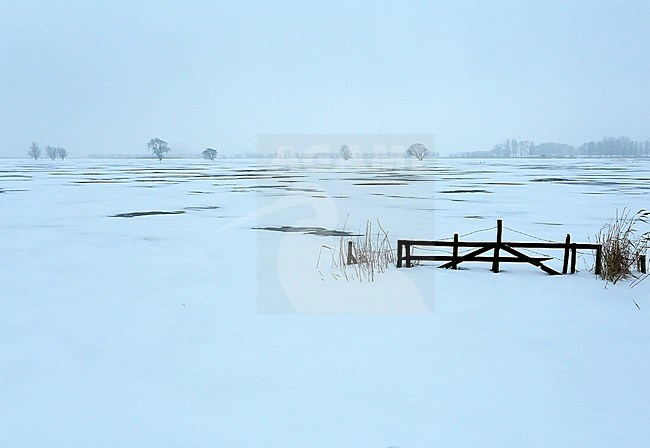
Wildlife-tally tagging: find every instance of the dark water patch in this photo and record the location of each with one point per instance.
(549, 224)
(304, 189)
(200, 192)
(466, 178)
(202, 207)
(398, 174)
(151, 238)
(180, 176)
(149, 213)
(601, 183)
(604, 168)
(15, 177)
(505, 183)
(464, 172)
(354, 179)
(157, 179)
(464, 200)
(260, 176)
(317, 231)
(379, 184)
(551, 179)
(172, 171)
(423, 209)
(261, 169)
(254, 187)
(465, 191)
(390, 177)
(279, 187)
(100, 173)
(403, 179)
(103, 181)
(542, 167)
(396, 196)
(474, 217)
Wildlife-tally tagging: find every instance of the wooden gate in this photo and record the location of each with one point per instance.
(499, 247)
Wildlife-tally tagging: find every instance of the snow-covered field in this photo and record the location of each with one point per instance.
(194, 328)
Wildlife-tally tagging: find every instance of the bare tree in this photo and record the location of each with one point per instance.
(417, 150)
(51, 152)
(62, 152)
(511, 146)
(526, 148)
(345, 152)
(209, 154)
(158, 147)
(34, 151)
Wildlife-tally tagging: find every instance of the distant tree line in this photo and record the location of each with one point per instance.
(51, 151)
(159, 148)
(416, 150)
(607, 147)
(345, 155)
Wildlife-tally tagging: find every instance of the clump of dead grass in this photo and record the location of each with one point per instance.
(368, 254)
(622, 244)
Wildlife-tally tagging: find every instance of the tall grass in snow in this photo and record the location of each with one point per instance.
(622, 244)
(371, 255)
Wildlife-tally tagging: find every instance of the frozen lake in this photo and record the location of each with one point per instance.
(144, 306)
(436, 197)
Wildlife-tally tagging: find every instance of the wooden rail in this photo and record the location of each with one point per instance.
(405, 253)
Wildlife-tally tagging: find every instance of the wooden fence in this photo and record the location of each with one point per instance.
(405, 253)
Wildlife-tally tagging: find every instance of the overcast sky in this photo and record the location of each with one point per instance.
(105, 77)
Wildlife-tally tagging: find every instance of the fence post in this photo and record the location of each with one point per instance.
(495, 262)
(454, 255)
(408, 255)
(565, 264)
(399, 253)
(574, 257)
(599, 255)
(642, 264)
(349, 253)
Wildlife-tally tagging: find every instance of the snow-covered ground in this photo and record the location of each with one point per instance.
(197, 329)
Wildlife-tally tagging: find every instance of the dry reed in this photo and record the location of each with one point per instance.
(622, 244)
(371, 255)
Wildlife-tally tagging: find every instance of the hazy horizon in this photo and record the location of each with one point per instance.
(105, 78)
